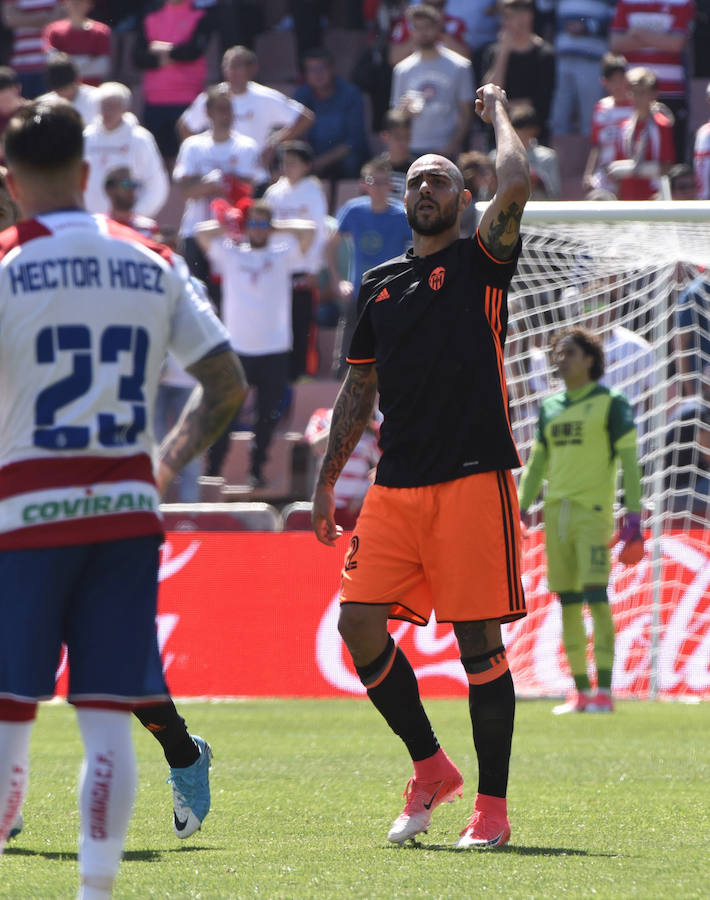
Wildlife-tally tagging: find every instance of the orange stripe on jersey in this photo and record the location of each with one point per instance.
(501, 262)
(511, 535)
(493, 303)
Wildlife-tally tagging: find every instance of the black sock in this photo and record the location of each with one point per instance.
(395, 694)
(168, 728)
(492, 707)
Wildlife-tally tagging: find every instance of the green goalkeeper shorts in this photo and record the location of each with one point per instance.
(576, 541)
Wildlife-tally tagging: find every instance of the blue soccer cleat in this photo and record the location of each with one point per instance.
(191, 791)
(16, 827)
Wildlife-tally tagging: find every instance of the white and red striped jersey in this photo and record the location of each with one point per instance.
(354, 481)
(28, 50)
(663, 17)
(701, 161)
(606, 122)
(88, 310)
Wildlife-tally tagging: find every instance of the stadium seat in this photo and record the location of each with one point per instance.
(277, 469)
(221, 517)
(297, 516)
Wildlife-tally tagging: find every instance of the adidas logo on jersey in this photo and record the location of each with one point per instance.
(383, 295)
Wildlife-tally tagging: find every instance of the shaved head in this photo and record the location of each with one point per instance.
(432, 162)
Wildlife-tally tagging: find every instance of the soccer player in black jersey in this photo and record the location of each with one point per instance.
(439, 529)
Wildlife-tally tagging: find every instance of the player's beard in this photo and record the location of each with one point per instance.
(436, 224)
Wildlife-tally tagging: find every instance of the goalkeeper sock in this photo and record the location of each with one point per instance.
(574, 638)
(603, 635)
(491, 704)
(168, 728)
(392, 686)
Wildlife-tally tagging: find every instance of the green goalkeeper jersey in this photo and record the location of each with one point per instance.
(581, 435)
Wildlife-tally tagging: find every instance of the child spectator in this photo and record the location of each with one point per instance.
(645, 150)
(299, 195)
(607, 117)
(64, 83)
(378, 228)
(87, 42)
(170, 49)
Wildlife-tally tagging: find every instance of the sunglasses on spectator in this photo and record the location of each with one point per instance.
(124, 183)
(258, 223)
(376, 182)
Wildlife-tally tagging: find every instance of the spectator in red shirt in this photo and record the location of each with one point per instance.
(27, 19)
(645, 150)
(655, 34)
(453, 35)
(86, 41)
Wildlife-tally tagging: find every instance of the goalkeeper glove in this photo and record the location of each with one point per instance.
(631, 538)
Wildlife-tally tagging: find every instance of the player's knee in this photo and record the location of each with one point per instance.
(361, 627)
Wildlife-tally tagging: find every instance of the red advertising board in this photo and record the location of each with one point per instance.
(255, 614)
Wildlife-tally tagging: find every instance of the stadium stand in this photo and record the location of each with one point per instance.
(221, 517)
(297, 516)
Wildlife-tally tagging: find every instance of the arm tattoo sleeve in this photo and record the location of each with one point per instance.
(503, 233)
(351, 413)
(209, 410)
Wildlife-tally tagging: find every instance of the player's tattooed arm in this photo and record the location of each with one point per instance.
(351, 413)
(502, 235)
(209, 410)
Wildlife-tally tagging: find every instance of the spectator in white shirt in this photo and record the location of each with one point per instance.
(299, 195)
(64, 83)
(206, 167)
(115, 139)
(261, 113)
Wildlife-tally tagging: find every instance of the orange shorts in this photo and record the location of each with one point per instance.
(452, 547)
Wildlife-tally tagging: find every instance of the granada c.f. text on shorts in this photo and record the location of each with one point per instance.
(452, 547)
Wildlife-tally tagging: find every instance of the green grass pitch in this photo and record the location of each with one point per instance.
(304, 791)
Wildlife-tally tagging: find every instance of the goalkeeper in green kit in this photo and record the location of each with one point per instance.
(583, 433)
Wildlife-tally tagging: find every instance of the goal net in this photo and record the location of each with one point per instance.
(635, 274)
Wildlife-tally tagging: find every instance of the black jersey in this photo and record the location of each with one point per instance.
(435, 327)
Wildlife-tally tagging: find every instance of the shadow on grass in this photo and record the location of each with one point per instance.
(128, 855)
(518, 851)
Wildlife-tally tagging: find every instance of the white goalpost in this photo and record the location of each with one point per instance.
(639, 275)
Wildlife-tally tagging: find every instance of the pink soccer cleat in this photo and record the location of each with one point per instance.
(422, 799)
(575, 703)
(601, 703)
(488, 826)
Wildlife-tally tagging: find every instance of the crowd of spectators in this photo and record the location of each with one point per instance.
(330, 150)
